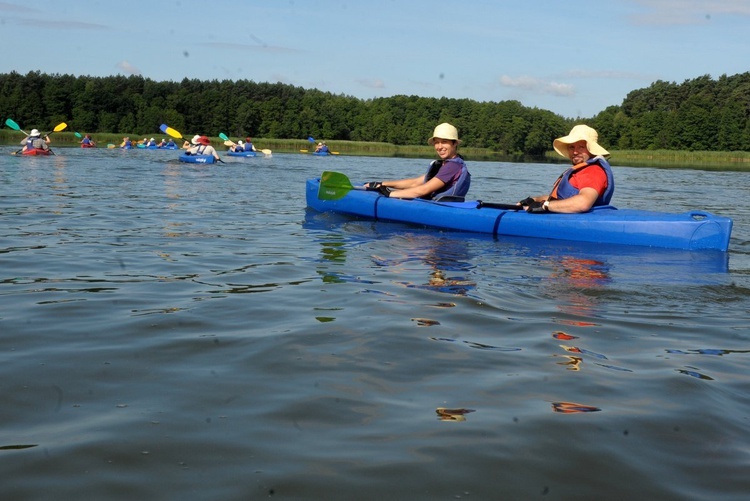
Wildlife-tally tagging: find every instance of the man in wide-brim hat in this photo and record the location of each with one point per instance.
(588, 183)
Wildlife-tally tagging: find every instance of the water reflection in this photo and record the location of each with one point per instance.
(572, 408)
(448, 261)
(445, 414)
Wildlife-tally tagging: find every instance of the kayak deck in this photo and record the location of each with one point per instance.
(692, 230)
(197, 159)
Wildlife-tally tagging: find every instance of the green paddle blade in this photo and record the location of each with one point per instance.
(333, 186)
(78, 134)
(13, 125)
(223, 136)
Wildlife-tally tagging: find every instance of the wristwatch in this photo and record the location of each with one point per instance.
(545, 205)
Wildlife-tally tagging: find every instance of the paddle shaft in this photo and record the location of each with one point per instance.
(490, 205)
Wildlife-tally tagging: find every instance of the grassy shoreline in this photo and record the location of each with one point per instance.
(701, 160)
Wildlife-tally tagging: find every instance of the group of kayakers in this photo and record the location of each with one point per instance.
(128, 144)
(588, 183)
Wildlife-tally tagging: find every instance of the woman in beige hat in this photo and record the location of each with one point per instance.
(447, 177)
(588, 183)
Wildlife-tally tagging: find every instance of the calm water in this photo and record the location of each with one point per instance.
(183, 332)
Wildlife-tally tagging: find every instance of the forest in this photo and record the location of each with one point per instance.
(700, 114)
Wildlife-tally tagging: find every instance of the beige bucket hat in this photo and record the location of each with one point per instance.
(445, 131)
(580, 133)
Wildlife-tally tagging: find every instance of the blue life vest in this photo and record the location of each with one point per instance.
(86, 141)
(458, 188)
(248, 146)
(567, 190)
(323, 149)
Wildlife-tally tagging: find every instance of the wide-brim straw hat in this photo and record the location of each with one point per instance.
(445, 131)
(34, 133)
(580, 133)
(195, 139)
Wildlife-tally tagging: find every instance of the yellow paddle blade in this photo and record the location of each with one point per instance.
(303, 151)
(229, 143)
(173, 133)
(266, 151)
(60, 126)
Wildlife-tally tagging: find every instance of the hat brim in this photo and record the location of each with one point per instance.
(561, 146)
(431, 141)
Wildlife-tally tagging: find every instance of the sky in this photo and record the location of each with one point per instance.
(574, 58)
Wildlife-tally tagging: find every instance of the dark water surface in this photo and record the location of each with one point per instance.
(170, 331)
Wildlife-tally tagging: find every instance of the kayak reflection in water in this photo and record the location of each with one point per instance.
(588, 183)
(448, 262)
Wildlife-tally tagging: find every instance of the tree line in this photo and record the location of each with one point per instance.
(699, 114)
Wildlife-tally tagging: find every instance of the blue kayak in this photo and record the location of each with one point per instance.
(692, 230)
(242, 153)
(197, 159)
(321, 153)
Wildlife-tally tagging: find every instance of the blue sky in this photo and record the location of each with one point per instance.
(573, 57)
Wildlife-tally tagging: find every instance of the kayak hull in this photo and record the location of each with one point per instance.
(197, 159)
(242, 153)
(694, 230)
(36, 152)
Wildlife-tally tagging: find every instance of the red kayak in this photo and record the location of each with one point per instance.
(87, 146)
(36, 151)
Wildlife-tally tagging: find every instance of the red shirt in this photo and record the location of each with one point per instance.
(590, 177)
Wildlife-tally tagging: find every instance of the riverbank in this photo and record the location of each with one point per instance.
(663, 159)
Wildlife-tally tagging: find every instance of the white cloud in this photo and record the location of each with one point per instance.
(248, 47)
(128, 68)
(536, 85)
(372, 83)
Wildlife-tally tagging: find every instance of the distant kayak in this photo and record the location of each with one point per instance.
(242, 154)
(155, 147)
(88, 146)
(197, 159)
